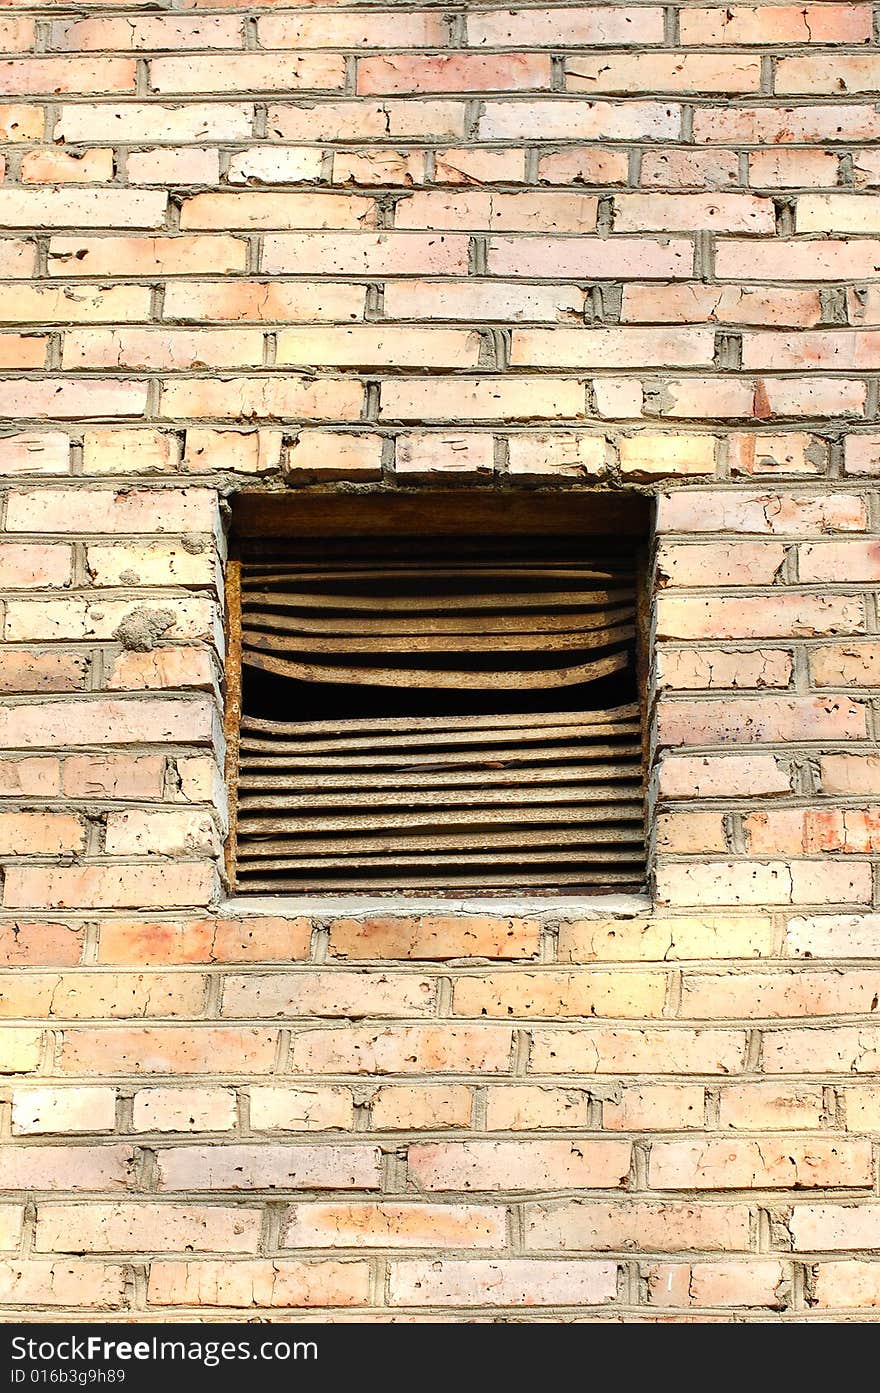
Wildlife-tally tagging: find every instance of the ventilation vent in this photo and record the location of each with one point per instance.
(439, 715)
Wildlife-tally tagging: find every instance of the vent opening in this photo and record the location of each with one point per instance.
(439, 714)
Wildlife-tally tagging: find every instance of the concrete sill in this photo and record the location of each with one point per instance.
(366, 906)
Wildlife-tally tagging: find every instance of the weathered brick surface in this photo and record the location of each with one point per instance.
(296, 244)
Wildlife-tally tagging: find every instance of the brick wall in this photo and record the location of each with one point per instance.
(288, 245)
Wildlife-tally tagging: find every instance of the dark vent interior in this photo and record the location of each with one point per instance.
(443, 715)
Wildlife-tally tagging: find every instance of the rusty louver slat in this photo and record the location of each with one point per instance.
(523, 797)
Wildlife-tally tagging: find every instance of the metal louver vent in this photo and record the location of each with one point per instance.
(434, 715)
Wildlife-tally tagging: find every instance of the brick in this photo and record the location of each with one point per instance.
(29, 565)
(846, 665)
(19, 123)
(366, 347)
(757, 24)
(367, 253)
(742, 616)
(426, 455)
(769, 125)
(94, 887)
(498, 212)
(708, 669)
(626, 1050)
(129, 452)
(183, 833)
(394, 1224)
(377, 167)
(257, 939)
(40, 944)
(798, 993)
(401, 1049)
(114, 776)
(333, 993)
(665, 939)
(373, 29)
(549, 257)
(394, 1106)
(633, 1225)
(833, 936)
(484, 399)
(507, 1282)
(862, 454)
(241, 300)
(527, 1107)
(730, 564)
(61, 167)
(49, 399)
(561, 453)
(91, 994)
(162, 669)
(780, 168)
(170, 1049)
(434, 937)
(689, 169)
(162, 255)
(147, 122)
(188, 165)
(734, 1163)
(91, 1285)
(756, 1107)
(301, 1109)
(139, 31)
(861, 1105)
(483, 300)
(314, 455)
(276, 210)
(828, 259)
(561, 27)
(795, 452)
(56, 75)
(387, 119)
(749, 720)
(27, 671)
(458, 72)
(849, 1283)
(38, 452)
(272, 1283)
(655, 1107)
(109, 1167)
(35, 776)
(128, 1227)
(545, 993)
(184, 1110)
(614, 348)
(763, 882)
(257, 72)
(261, 398)
(269, 1167)
(469, 166)
(36, 1111)
(661, 72)
(843, 1049)
(518, 1165)
(647, 456)
(73, 207)
(728, 1284)
(587, 165)
(103, 510)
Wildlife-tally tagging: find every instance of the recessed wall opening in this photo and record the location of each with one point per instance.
(442, 694)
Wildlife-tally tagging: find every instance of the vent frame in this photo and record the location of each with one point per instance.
(312, 516)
